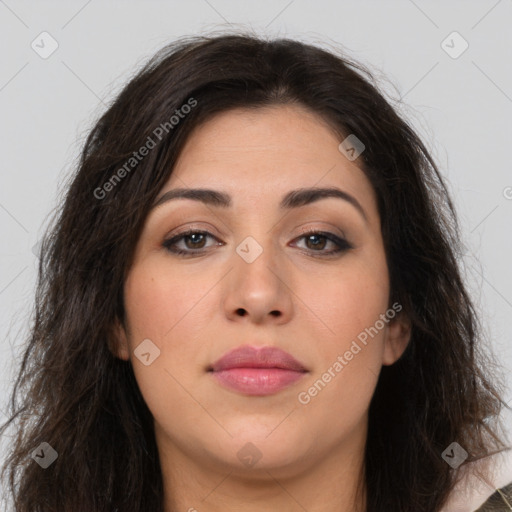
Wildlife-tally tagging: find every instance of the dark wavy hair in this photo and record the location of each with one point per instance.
(74, 394)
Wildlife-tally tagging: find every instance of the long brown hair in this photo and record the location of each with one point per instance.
(72, 393)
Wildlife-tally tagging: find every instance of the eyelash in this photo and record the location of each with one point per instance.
(342, 244)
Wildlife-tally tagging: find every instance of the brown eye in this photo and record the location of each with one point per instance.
(191, 241)
(196, 240)
(316, 242)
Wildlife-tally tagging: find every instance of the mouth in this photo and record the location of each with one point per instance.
(257, 371)
(257, 381)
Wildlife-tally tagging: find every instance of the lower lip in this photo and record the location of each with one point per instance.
(257, 381)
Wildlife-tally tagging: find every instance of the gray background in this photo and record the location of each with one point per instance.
(460, 106)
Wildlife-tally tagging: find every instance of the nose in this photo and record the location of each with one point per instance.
(258, 288)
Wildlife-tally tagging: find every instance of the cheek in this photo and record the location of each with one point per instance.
(161, 303)
(173, 310)
(351, 337)
(339, 401)
(167, 309)
(352, 299)
(350, 353)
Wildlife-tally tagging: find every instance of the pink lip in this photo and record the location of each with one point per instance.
(257, 371)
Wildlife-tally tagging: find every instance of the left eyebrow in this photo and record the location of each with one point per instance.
(293, 199)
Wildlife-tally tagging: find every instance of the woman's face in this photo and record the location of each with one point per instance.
(251, 277)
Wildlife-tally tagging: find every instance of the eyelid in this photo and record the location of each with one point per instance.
(339, 232)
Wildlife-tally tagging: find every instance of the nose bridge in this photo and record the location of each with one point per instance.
(256, 259)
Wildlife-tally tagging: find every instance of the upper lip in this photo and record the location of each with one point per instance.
(257, 357)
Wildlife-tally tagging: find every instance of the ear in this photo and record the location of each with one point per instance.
(118, 341)
(398, 334)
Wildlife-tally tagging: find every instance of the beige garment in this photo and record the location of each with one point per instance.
(500, 501)
(472, 492)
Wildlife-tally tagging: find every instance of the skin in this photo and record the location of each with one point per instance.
(196, 308)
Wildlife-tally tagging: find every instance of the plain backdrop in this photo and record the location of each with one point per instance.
(448, 61)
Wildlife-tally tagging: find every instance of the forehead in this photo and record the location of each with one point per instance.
(263, 153)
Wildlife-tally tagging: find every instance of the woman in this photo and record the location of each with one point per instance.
(250, 300)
